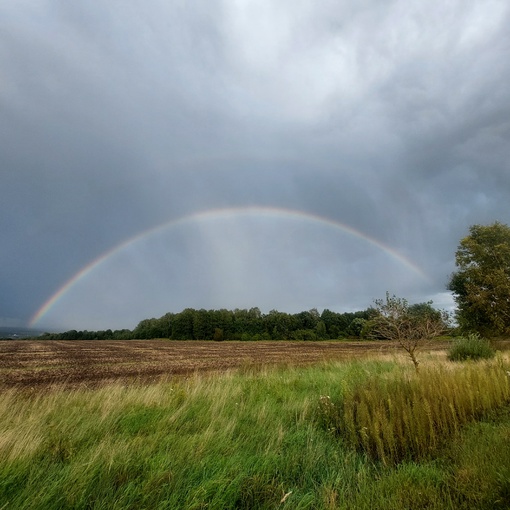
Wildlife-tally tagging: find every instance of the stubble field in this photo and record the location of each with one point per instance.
(26, 363)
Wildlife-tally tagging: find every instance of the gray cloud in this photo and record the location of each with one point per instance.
(114, 118)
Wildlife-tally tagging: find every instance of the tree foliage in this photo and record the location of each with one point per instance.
(481, 285)
(238, 324)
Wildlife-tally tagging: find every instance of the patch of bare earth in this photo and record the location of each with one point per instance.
(39, 364)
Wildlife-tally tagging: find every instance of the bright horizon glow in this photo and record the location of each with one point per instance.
(219, 214)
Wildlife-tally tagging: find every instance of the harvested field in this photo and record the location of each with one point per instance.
(33, 364)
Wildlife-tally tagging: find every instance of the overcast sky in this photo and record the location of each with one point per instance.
(300, 153)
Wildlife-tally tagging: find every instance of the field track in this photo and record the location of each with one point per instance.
(39, 364)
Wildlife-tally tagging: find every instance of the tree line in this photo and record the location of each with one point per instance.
(238, 324)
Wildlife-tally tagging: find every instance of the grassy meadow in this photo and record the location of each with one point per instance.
(348, 435)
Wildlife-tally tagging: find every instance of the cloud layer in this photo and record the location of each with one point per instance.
(117, 117)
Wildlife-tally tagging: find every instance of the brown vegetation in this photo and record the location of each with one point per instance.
(29, 363)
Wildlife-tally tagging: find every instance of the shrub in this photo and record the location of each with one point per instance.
(470, 347)
(303, 334)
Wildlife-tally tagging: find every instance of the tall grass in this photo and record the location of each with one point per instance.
(409, 416)
(240, 440)
(246, 439)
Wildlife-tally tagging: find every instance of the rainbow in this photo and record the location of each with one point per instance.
(217, 214)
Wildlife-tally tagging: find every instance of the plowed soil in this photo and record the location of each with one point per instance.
(39, 364)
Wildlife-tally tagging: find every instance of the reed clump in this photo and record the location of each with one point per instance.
(403, 416)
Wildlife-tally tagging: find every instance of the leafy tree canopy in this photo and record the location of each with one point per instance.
(238, 324)
(481, 285)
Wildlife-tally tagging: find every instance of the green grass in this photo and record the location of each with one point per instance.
(247, 439)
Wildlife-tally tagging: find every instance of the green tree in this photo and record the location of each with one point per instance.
(202, 325)
(356, 327)
(307, 320)
(321, 331)
(481, 285)
(247, 323)
(278, 324)
(182, 325)
(332, 322)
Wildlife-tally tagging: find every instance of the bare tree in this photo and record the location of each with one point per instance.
(411, 326)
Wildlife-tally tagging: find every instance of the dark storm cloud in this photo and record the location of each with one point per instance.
(115, 117)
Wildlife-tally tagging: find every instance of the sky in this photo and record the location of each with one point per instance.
(231, 154)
